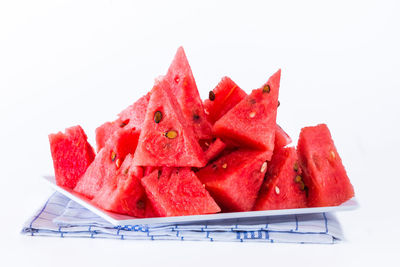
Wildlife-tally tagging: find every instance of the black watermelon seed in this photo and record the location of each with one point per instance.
(157, 116)
(211, 96)
(266, 88)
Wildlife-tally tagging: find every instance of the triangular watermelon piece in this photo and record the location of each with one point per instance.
(72, 154)
(283, 187)
(104, 132)
(323, 171)
(108, 161)
(149, 169)
(166, 139)
(282, 139)
(184, 87)
(212, 148)
(178, 192)
(124, 193)
(252, 122)
(131, 117)
(233, 180)
(223, 98)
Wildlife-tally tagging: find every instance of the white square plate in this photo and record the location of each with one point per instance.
(118, 219)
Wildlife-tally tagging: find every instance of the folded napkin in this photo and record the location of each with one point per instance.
(62, 217)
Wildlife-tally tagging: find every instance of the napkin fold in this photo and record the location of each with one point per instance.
(62, 217)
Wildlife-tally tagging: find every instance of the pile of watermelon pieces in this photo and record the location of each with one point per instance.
(172, 154)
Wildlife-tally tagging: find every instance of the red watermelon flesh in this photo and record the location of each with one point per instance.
(104, 132)
(134, 115)
(283, 187)
(214, 149)
(233, 180)
(108, 161)
(124, 193)
(72, 155)
(131, 117)
(223, 98)
(252, 122)
(323, 171)
(184, 87)
(177, 193)
(148, 170)
(282, 139)
(166, 139)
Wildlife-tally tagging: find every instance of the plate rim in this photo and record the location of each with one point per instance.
(350, 204)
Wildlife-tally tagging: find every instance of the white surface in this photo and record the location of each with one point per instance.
(69, 62)
(119, 219)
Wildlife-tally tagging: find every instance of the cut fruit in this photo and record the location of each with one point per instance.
(184, 87)
(233, 180)
(166, 139)
(178, 192)
(108, 161)
(104, 132)
(124, 193)
(252, 122)
(149, 169)
(72, 155)
(223, 98)
(283, 187)
(323, 171)
(214, 149)
(131, 117)
(171, 154)
(282, 139)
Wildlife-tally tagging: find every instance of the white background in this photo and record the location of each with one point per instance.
(64, 63)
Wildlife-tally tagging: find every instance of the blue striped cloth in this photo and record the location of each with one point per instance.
(62, 217)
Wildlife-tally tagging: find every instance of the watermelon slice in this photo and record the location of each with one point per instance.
(72, 155)
(148, 170)
(177, 192)
(108, 161)
(166, 139)
(124, 193)
(252, 122)
(214, 149)
(324, 173)
(283, 187)
(282, 139)
(104, 132)
(184, 87)
(131, 117)
(233, 180)
(223, 98)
